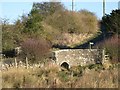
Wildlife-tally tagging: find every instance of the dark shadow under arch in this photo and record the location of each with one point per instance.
(65, 65)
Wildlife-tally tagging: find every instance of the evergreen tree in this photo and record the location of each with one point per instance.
(38, 13)
(112, 22)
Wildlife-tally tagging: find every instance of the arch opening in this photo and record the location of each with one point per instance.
(65, 65)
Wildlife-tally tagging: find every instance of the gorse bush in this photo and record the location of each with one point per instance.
(35, 49)
(73, 22)
(9, 41)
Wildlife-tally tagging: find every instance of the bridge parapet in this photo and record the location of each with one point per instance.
(81, 57)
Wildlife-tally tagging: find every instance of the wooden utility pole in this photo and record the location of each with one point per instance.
(103, 7)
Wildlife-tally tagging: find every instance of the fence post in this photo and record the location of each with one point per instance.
(15, 63)
(26, 62)
(103, 55)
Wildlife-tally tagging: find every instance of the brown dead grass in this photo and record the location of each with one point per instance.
(72, 39)
(51, 76)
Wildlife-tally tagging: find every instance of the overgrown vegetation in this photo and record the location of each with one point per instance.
(47, 24)
(111, 26)
(44, 26)
(39, 12)
(112, 48)
(49, 76)
(35, 49)
(73, 22)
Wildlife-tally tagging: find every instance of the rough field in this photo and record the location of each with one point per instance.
(51, 76)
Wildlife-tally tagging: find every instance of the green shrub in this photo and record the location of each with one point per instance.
(77, 71)
(97, 67)
(63, 76)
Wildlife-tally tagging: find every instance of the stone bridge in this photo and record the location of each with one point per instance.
(75, 57)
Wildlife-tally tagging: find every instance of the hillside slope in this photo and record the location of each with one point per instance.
(70, 28)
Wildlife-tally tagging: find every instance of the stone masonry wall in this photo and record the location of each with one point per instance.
(75, 57)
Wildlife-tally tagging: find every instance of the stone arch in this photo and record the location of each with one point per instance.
(65, 65)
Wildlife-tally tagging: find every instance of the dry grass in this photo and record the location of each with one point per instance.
(72, 39)
(51, 76)
(103, 79)
(111, 45)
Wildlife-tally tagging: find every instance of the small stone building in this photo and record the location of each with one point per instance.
(75, 57)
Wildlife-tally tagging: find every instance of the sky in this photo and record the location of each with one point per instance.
(14, 9)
